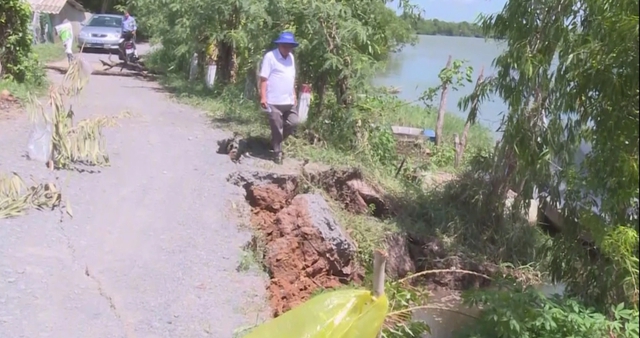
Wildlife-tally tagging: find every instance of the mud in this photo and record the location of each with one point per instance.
(297, 257)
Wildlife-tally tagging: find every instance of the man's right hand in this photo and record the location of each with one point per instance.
(263, 103)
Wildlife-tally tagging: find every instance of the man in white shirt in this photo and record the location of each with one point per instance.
(278, 92)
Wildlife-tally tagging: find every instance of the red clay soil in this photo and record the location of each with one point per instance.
(298, 259)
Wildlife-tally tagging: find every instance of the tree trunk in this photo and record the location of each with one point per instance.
(344, 96)
(442, 108)
(227, 65)
(233, 66)
(105, 6)
(470, 119)
(227, 53)
(342, 92)
(501, 178)
(320, 87)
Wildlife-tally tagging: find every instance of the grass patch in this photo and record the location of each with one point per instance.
(50, 52)
(20, 90)
(231, 111)
(252, 256)
(248, 260)
(45, 53)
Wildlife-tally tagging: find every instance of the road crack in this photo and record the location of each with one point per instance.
(103, 293)
(112, 304)
(63, 231)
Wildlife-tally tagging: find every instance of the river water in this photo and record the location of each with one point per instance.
(415, 69)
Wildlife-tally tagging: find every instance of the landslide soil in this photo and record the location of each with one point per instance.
(300, 262)
(297, 257)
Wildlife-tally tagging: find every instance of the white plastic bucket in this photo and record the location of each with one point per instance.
(193, 67)
(304, 102)
(211, 75)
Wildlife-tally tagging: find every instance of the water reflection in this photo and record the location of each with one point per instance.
(416, 68)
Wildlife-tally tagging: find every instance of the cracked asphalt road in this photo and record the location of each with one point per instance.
(151, 251)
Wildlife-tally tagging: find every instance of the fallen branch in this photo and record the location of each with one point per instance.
(138, 66)
(63, 70)
(137, 69)
(426, 272)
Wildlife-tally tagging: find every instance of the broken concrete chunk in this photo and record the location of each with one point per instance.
(322, 218)
(254, 178)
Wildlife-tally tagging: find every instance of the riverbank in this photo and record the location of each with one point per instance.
(428, 219)
(431, 198)
(231, 110)
(439, 229)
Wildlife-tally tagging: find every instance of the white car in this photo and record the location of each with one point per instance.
(101, 31)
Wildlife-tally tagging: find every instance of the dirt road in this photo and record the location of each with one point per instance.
(152, 250)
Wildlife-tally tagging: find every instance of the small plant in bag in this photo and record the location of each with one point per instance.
(39, 145)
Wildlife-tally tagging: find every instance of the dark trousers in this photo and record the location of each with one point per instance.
(283, 120)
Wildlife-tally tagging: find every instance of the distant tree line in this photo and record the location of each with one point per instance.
(438, 27)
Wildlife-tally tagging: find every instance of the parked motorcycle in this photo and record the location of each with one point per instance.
(128, 51)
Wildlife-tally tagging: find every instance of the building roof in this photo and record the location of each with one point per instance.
(53, 6)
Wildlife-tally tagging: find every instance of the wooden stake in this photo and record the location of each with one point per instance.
(457, 147)
(467, 124)
(442, 108)
(379, 262)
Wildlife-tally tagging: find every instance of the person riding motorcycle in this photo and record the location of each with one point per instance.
(129, 28)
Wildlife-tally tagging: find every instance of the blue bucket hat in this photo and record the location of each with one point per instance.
(286, 38)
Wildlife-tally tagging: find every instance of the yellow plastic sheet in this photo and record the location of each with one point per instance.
(336, 314)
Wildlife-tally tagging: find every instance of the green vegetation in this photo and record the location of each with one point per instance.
(608, 116)
(595, 253)
(517, 311)
(50, 52)
(21, 69)
(437, 27)
(42, 53)
(16, 61)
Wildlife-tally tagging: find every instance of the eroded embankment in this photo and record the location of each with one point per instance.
(304, 247)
